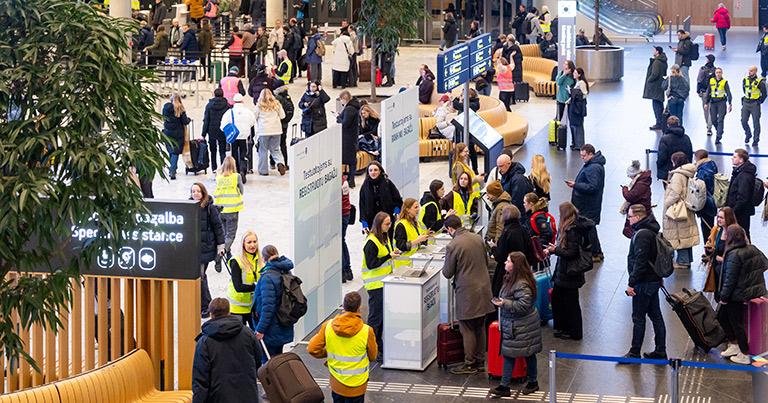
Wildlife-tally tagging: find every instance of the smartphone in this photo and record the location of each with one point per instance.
(627, 293)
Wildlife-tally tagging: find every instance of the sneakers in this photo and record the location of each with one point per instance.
(732, 350)
(464, 370)
(501, 391)
(740, 358)
(530, 387)
(655, 355)
(281, 169)
(746, 139)
(709, 131)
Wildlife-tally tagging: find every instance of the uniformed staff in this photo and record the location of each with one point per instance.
(762, 47)
(285, 68)
(229, 196)
(409, 232)
(462, 199)
(430, 214)
(244, 273)
(719, 94)
(754, 95)
(461, 164)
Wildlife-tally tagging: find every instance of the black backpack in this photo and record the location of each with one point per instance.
(694, 51)
(293, 303)
(287, 104)
(759, 193)
(527, 26)
(663, 265)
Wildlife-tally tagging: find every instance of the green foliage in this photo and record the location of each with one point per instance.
(73, 120)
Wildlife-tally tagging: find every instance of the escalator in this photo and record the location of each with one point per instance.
(627, 17)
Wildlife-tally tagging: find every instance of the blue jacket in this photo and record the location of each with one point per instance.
(312, 57)
(189, 46)
(706, 172)
(268, 294)
(588, 188)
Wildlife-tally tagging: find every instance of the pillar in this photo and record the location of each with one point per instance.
(120, 8)
(274, 12)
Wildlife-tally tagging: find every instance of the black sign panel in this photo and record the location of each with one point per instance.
(463, 62)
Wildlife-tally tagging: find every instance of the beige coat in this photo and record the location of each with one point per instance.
(495, 221)
(680, 233)
(467, 264)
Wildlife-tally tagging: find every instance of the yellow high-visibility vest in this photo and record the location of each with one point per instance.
(751, 88)
(467, 169)
(372, 276)
(411, 233)
(287, 76)
(717, 88)
(348, 356)
(424, 208)
(227, 195)
(241, 302)
(458, 203)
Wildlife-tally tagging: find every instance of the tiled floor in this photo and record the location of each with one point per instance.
(617, 124)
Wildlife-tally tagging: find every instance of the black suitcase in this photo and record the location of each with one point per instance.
(698, 317)
(198, 150)
(294, 137)
(522, 92)
(285, 379)
(562, 137)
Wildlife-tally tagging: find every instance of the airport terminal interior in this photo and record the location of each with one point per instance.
(617, 124)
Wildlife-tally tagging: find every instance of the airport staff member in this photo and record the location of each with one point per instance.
(754, 95)
(719, 94)
(409, 233)
(377, 264)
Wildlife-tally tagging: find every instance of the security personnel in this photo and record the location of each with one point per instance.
(762, 47)
(719, 94)
(285, 69)
(349, 345)
(244, 273)
(409, 233)
(377, 264)
(754, 95)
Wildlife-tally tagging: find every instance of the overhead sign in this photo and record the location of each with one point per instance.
(464, 62)
(400, 141)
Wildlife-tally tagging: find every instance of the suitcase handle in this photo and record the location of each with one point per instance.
(264, 347)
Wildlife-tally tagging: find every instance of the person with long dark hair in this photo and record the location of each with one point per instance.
(211, 239)
(513, 238)
(312, 105)
(577, 108)
(430, 214)
(426, 84)
(378, 194)
(715, 249)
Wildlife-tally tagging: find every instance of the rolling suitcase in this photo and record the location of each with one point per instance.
(709, 41)
(522, 92)
(294, 137)
(186, 150)
(553, 125)
(698, 317)
(562, 131)
(496, 361)
(197, 160)
(450, 344)
(364, 71)
(543, 295)
(285, 379)
(757, 325)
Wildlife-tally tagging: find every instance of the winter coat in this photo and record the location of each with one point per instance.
(426, 88)
(677, 87)
(371, 128)
(227, 356)
(312, 56)
(515, 183)
(577, 108)
(674, 140)
(312, 107)
(173, 127)
(588, 188)
(269, 123)
(564, 84)
(576, 239)
(342, 50)
(548, 49)
(261, 45)
(467, 266)
(450, 31)
(683, 53)
(276, 38)
(742, 274)
(378, 195)
(682, 233)
(205, 40)
(256, 10)
(160, 47)
(741, 189)
(190, 46)
(159, 14)
(214, 111)
(195, 8)
(244, 120)
(657, 70)
(706, 170)
(495, 221)
(519, 321)
(211, 232)
(267, 296)
(144, 38)
(513, 238)
(260, 82)
(638, 192)
(642, 252)
(721, 18)
(350, 128)
(287, 103)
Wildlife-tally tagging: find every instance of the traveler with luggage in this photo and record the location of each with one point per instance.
(637, 192)
(741, 191)
(674, 140)
(175, 121)
(245, 270)
(577, 109)
(677, 89)
(341, 63)
(267, 296)
(518, 324)
(657, 70)
(226, 350)
(564, 83)
(683, 53)
(244, 120)
(715, 250)
(312, 105)
(754, 95)
(742, 280)
(514, 238)
(211, 239)
(719, 95)
(499, 199)
(430, 215)
(722, 20)
(706, 72)
(587, 194)
(214, 111)
(378, 194)
(269, 114)
(466, 265)
(643, 283)
(369, 140)
(706, 170)
(679, 223)
(349, 345)
(228, 196)
(315, 54)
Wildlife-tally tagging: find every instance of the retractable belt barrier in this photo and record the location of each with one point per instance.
(649, 151)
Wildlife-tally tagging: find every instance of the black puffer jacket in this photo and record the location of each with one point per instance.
(642, 250)
(576, 239)
(674, 140)
(516, 184)
(211, 232)
(173, 127)
(349, 118)
(227, 357)
(312, 105)
(742, 274)
(588, 188)
(214, 111)
(741, 189)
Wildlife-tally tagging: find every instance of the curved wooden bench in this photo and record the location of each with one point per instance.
(530, 50)
(537, 71)
(41, 394)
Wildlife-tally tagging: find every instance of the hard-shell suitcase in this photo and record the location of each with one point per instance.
(757, 325)
(186, 149)
(552, 131)
(522, 92)
(496, 361)
(709, 41)
(295, 138)
(450, 344)
(562, 137)
(198, 150)
(285, 379)
(543, 293)
(698, 317)
(364, 70)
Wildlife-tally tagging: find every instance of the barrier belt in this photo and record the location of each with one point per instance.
(625, 360)
(649, 151)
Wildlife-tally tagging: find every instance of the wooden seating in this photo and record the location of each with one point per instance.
(537, 71)
(41, 394)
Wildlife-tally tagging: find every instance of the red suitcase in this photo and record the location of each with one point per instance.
(757, 326)
(496, 361)
(709, 41)
(450, 344)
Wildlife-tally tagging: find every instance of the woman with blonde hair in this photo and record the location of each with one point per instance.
(409, 233)
(175, 121)
(228, 195)
(244, 273)
(368, 139)
(540, 178)
(461, 165)
(269, 114)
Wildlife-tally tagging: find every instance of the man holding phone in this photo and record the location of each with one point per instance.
(587, 193)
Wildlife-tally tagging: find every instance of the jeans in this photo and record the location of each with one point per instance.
(273, 350)
(684, 71)
(750, 108)
(731, 318)
(658, 111)
(269, 145)
(684, 256)
(205, 293)
(345, 262)
(218, 143)
(675, 106)
(509, 366)
(337, 398)
(577, 136)
(473, 335)
(717, 111)
(722, 32)
(240, 154)
(485, 91)
(646, 302)
(376, 315)
(174, 161)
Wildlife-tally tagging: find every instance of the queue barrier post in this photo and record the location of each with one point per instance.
(675, 381)
(552, 375)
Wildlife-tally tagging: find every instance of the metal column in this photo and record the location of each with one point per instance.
(552, 376)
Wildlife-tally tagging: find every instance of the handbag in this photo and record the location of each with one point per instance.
(677, 211)
(434, 134)
(230, 130)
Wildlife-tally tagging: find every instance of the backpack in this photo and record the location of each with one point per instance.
(546, 228)
(759, 194)
(287, 104)
(293, 303)
(320, 47)
(527, 26)
(721, 189)
(696, 195)
(694, 51)
(663, 265)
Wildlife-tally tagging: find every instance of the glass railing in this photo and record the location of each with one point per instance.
(628, 17)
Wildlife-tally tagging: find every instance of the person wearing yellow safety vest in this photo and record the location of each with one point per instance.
(409, 232)
(349, 345)
(377, 264)
(285, 68)
(754, 95)
(462, 199)
(430, 215)
(762, 47)
(229, 196)
(244, 273)
(718, 94)
(461, 164)
(211, 239)
(545, 20)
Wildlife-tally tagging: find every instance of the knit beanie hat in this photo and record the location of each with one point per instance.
(634, 169)
(494, 189)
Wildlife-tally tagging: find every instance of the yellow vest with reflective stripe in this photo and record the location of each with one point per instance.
(545, 27)
(751, 88)
(424, 208)
(348, 356)
(717, 88)
(287, 76)
(411, 233)
(372, 277)
(467, 169)
(135, 5)
(458, 203)
(241, 302)
(227, 195)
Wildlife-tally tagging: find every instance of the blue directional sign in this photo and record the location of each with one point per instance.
(463, 62)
